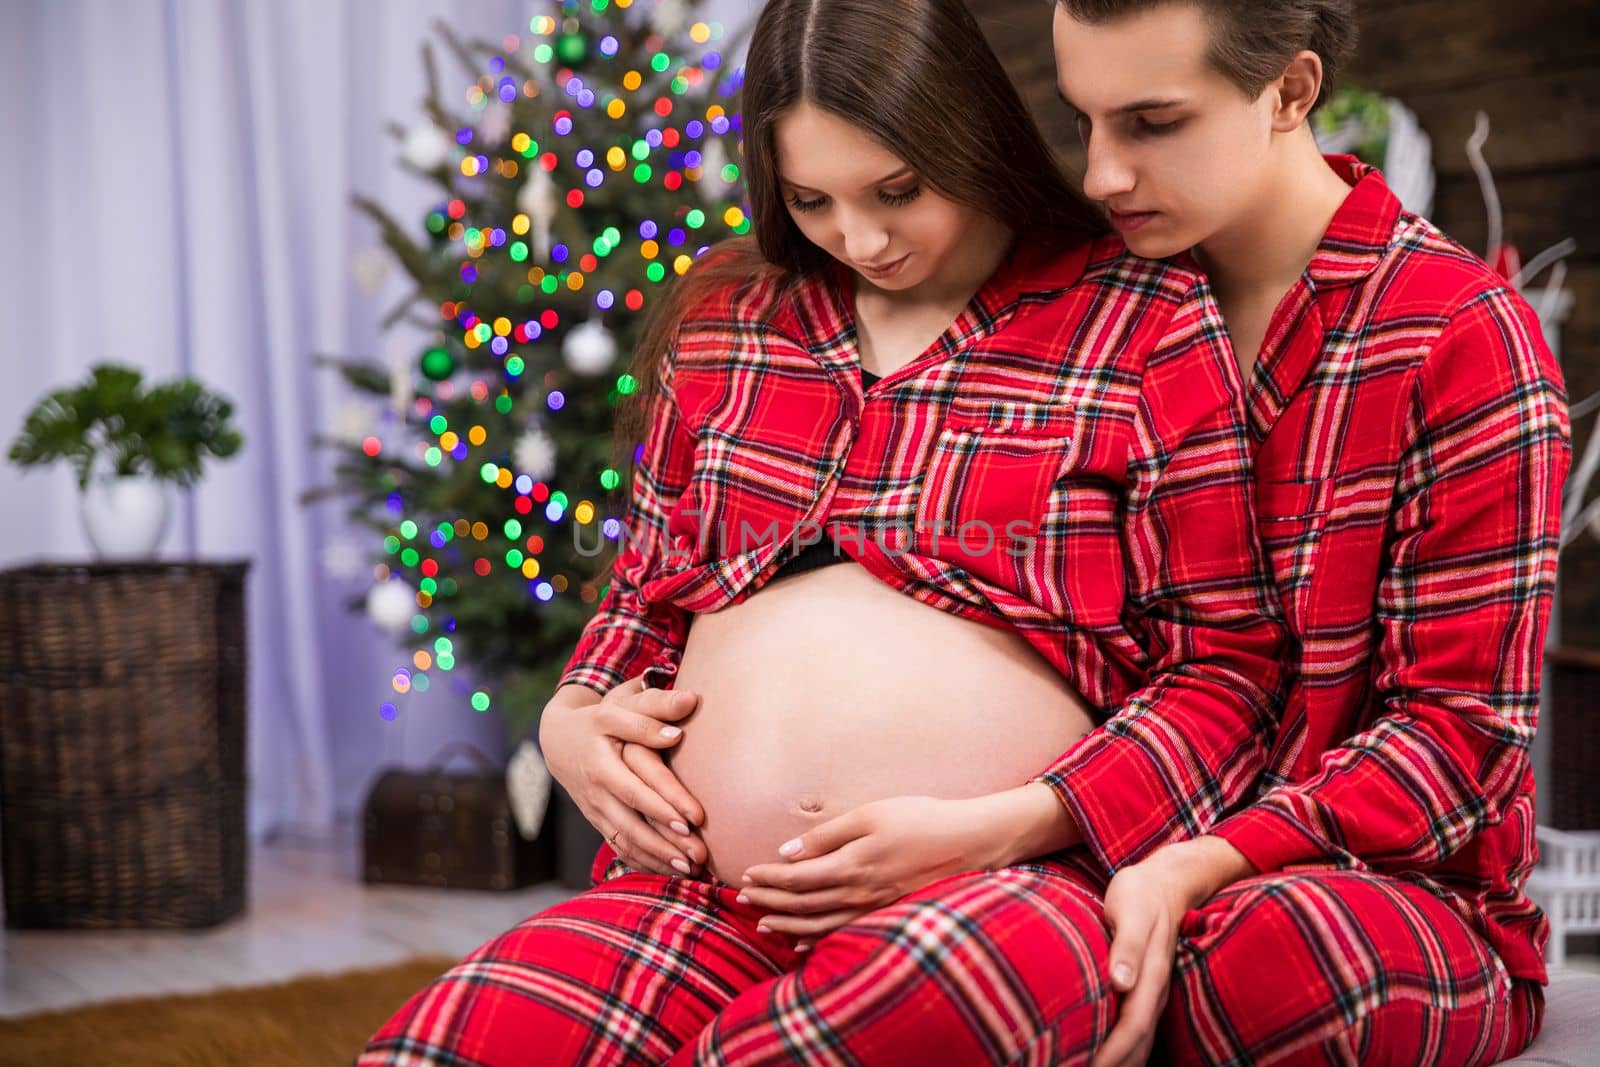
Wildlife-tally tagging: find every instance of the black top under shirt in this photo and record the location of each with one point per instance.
(826, 551)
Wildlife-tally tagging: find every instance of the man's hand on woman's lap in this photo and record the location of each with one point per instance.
(1145, 906)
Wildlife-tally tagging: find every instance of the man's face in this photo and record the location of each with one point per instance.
(1175, 150)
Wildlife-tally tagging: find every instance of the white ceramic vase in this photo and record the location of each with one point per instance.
(125, 517)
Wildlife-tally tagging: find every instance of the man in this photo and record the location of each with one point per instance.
(1410, 436)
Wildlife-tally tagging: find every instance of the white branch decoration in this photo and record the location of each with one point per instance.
(1491, 197)
(1576, 516)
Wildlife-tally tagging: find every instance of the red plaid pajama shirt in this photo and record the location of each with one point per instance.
(1410, 433)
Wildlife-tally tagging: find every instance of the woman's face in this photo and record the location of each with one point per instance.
(863, 205)
(1176, 152)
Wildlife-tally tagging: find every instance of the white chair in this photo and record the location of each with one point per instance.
(1566, 884)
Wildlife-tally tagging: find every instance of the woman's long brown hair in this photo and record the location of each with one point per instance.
(919, 78)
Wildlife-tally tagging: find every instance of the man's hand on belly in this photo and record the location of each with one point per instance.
(867, 858)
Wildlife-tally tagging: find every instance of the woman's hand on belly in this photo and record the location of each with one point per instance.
(604, 754)
(869, 857)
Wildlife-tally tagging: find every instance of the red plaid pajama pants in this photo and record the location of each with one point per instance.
(986, 967)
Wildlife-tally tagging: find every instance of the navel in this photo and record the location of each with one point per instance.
(809, 803)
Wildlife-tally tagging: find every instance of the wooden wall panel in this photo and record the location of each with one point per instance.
(1462, 44)
(1534, 68)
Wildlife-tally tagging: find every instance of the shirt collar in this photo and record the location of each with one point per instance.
(1361, 230)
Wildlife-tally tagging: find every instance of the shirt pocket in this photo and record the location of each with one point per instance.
(988, 480)
(1290, 516)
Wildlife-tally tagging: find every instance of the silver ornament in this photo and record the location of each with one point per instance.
(589, 348)
(426, 146)
(528, 786)
(391, 604)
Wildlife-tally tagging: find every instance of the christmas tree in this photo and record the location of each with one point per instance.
(587, 165)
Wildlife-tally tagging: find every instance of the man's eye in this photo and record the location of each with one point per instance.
(1156, 129)
(806, 205)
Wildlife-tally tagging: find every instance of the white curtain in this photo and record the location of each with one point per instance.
(177, 177)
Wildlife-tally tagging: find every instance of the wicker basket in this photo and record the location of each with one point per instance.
(122, 744)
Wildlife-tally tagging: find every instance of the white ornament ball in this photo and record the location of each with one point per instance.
(402, 387)
(426, 146)
(669, 17)
(391, 604)
(342, 559)
(371, 270)
(494, 125)
(713, 189)
(535, 454)
(352, 423)
(589, 348)
(528, 787)
(538, 200)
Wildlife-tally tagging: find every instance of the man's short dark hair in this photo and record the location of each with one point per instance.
(1253, 40)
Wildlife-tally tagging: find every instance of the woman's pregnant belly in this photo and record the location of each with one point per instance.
(829, 689)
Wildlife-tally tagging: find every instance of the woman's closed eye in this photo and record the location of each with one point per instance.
(807, 205)
(905, 196)
(895, 199)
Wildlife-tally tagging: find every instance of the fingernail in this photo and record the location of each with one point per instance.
(743, 899)
(789, 848)
(747, 879)
(1122, 973)
(670, 731)
(680, 826)
(682, 866)
(763, 928)
(804, 946)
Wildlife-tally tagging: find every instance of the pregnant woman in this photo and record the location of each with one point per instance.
(938, 555)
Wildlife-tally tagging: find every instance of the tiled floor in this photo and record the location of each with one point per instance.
(308, 912)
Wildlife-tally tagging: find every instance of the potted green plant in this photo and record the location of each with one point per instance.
(126, 444)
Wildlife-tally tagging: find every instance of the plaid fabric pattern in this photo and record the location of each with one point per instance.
(985, 967)
(1085, 394)
(1339, 968)
(1003, 966)
(1411, 439)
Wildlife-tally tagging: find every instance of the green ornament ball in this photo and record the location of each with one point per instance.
(572, 48)
(437, 364)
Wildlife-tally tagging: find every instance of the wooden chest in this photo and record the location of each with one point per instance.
(451, 829)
